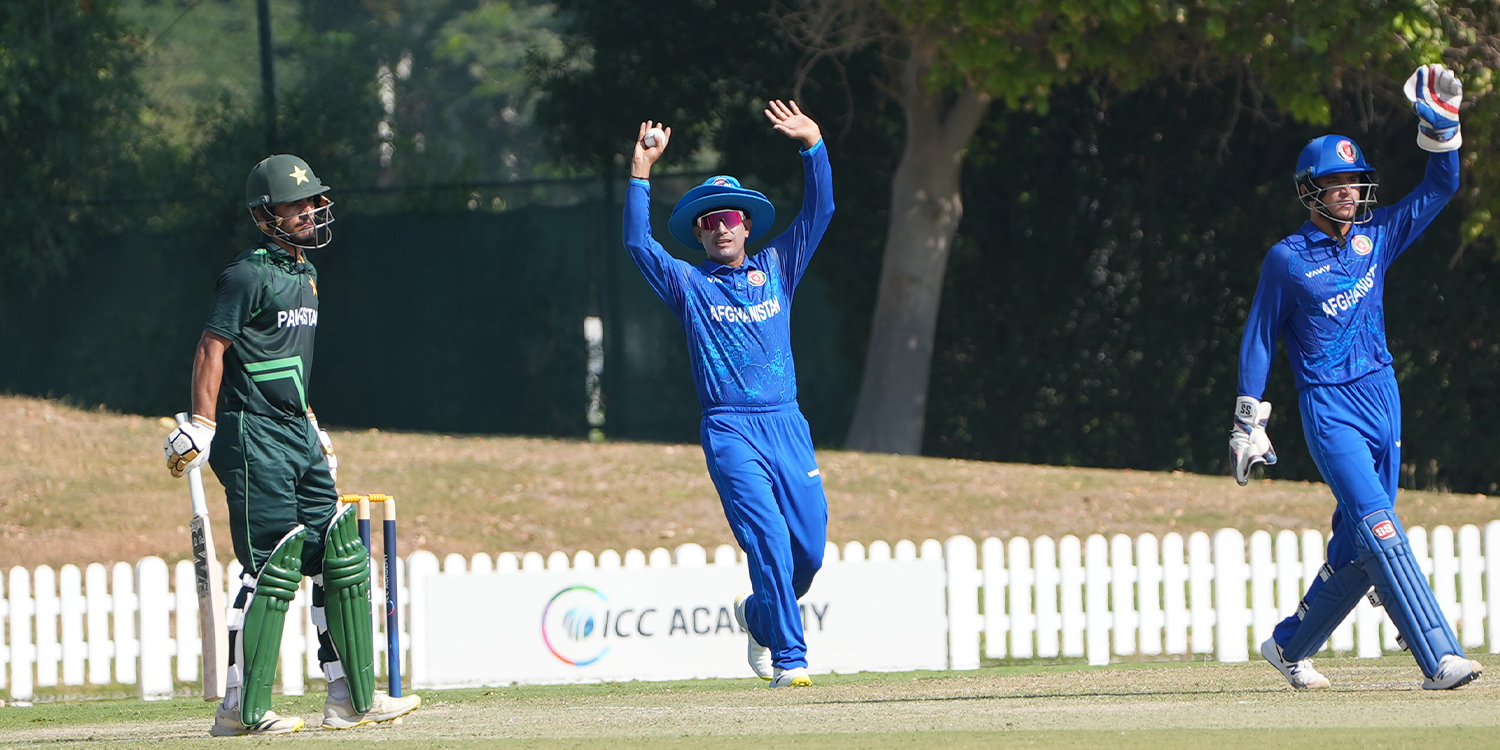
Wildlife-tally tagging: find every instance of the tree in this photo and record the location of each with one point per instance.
(951, 58)
(69, 104)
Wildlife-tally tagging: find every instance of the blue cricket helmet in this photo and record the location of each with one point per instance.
(1334, 154)
(1330, 154)
(720, 191)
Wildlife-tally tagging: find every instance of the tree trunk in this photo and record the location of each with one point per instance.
(925, 209)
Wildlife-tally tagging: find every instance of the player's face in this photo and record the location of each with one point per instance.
(1340, 194)
(297, 217)
(724, 244)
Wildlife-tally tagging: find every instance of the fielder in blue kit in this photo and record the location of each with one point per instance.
(736, 310)
(1321, 289)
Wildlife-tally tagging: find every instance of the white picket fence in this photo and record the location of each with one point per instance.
(136, 625)
(1023, 598)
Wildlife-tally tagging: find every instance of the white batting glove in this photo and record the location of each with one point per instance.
(1248, 442)
(186, 446)
(1435, 94)
(327, 442)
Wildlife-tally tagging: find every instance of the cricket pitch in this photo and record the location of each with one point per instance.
(1145, 706)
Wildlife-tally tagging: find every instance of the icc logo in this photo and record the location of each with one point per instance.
(1345, 149)
(573, 627)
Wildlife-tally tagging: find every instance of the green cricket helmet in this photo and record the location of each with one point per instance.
(284, 178)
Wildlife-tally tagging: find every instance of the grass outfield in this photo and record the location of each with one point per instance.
(82, 485)
(1376, 703)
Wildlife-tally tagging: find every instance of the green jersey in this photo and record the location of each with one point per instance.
(267, 304)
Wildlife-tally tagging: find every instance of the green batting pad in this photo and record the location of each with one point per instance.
(346, 583)
(260, 638)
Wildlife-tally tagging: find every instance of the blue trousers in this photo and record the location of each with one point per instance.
(761, 461)
(1354, 433)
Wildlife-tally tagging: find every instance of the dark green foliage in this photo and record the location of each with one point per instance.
(68, 132)
(1094, 301)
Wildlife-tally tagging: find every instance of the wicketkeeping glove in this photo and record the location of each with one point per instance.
(187, 446)
(1248, 442)
(1435, 95)
(327, 443)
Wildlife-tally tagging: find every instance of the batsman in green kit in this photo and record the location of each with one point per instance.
(253, 426)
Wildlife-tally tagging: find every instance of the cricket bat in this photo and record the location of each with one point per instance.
(210, 583)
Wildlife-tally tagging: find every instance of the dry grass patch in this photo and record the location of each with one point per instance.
(79, 485)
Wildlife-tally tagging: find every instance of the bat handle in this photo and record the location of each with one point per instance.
(195, 478)
(195, 486)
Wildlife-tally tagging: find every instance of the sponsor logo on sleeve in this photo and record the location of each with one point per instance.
(1384, 530)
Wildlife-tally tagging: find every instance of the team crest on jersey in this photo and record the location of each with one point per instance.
(1362, 244)
(1384, 530)
(1345, 150)
(757, 278)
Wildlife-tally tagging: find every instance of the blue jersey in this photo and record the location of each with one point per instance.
(1329, 301)
(738, 320)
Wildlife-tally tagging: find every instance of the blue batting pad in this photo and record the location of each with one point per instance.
(1403, 589)
(1328, 601)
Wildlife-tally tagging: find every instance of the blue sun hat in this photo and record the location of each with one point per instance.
(720, 191)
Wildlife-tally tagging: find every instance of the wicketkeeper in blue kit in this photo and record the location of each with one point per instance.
(1321, 288)
(736, 310)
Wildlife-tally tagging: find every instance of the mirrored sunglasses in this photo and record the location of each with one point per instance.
(731, 217)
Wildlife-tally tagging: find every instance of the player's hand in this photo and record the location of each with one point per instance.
(1248, 442)
(186, 446)
(327, 442)
(788, 119)
(644, 157)
(1436, 94)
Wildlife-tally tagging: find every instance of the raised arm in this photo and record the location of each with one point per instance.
(1436, 97)
(662, 271)
(798, 243)
(1416, 211)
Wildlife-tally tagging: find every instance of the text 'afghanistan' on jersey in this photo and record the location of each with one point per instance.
(267, 304)
(1328, 301)
(738, 320)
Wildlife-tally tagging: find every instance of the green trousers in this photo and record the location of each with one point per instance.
(275, 476)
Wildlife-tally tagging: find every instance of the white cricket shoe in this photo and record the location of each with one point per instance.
(338, 708)
(795, 677)
(1453, 671)
(227, 723)
(759, 656)
(1299, 673)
